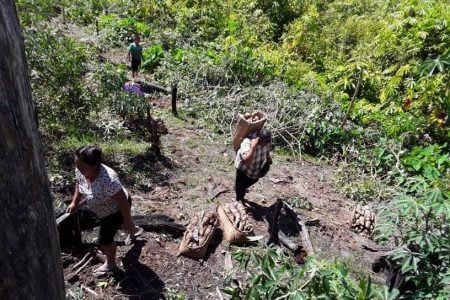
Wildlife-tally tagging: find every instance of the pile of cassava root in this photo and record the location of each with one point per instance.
(363, 220)
(200, 229)
(252, 117)
(238, 216)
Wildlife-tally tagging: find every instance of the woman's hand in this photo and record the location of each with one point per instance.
(75, 200)
(72, 208)
(255, 142)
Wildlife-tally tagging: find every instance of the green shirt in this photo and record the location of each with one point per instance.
(136, 51)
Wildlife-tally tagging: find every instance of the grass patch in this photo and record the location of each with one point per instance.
(128, 146)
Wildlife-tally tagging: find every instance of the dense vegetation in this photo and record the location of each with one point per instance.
(364, 84)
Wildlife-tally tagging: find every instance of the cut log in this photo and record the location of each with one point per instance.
(306, 242)
(154, 87)
(284, 240)
(158, 222)
(313, 222)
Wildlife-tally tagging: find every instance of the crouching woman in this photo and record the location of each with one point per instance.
(99, 188)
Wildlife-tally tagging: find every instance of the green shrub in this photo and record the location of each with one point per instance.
(418, 224)
(57, 66)
(152, 57)
(116, 31)
(430, 162)
(85, 11)
(272, 275)
(31, 12)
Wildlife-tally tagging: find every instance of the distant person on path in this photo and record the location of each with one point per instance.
(99, 187)
(135, 55)
(253, 161)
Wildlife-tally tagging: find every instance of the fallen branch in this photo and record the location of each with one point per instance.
(83, 266)
(89, 290)
(368, 248)
(157, 223)
(276, 180)
(220, 193)
(313, 222)
(219, 293)
(81, 261)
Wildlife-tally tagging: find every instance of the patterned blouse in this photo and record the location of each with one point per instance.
(253, 169)
(98, 193)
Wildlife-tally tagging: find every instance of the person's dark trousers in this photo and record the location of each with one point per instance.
(242, 183)
(265, 169)
(135, 63)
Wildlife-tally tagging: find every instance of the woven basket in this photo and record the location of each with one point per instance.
(245, 127)
(197, 251)
(230, 233)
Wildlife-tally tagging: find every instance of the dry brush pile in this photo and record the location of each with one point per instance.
(298, 120)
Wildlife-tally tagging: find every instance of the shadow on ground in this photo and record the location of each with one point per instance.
(138, 281)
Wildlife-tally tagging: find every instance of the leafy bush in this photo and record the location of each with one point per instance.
(418, 224)
(272, 275)
(299, 121)
(129, 106)
(200, 69)
(117, 31)
(57, 66)
(33, 11)
(85, 11)
(108, 80)
(429, 162)
(246, 65)
(152, 57)
(202, 19)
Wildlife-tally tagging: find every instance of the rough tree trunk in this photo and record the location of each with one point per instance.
(30, 263)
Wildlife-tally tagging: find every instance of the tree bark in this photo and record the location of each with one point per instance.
(30, 261)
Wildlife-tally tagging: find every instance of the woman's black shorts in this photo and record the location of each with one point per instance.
(135, 63)
(109, 226)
